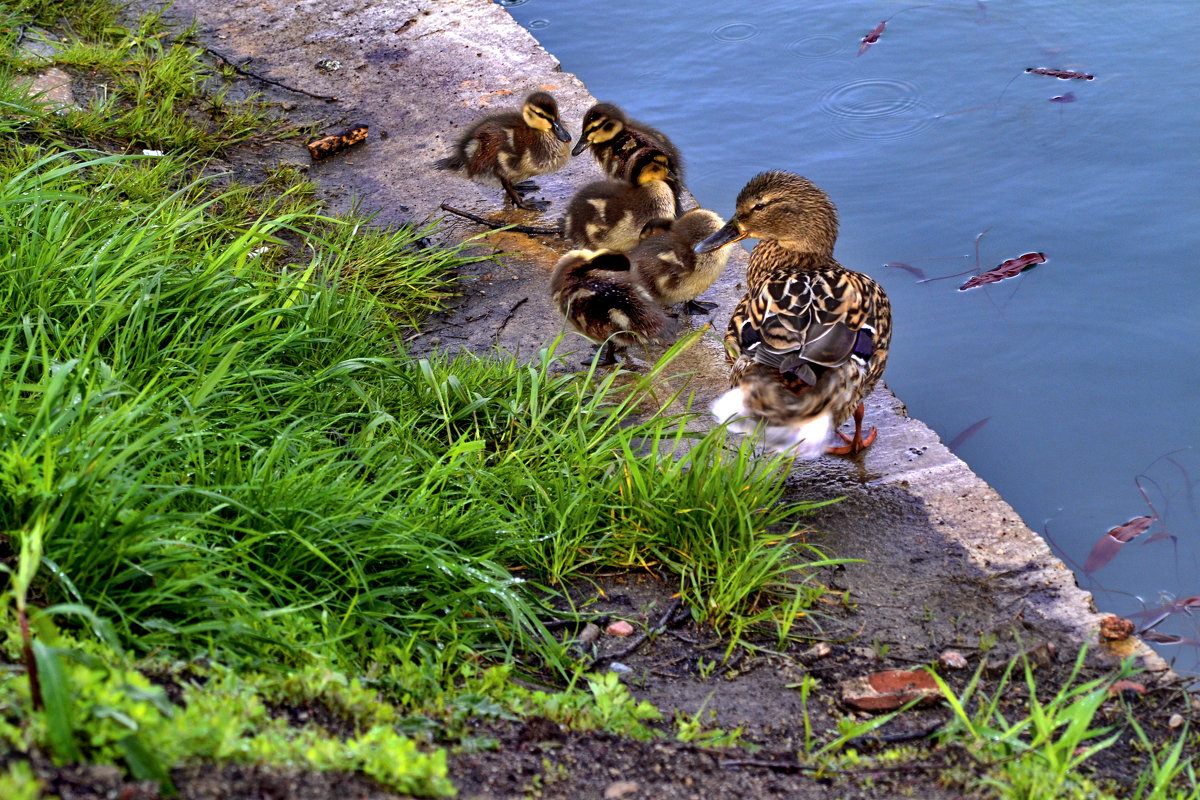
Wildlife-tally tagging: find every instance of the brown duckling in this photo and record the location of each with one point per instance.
(610, 214)
(598, 293)
(615, 140)
(810, 338)
(667, 263)
(509, 147)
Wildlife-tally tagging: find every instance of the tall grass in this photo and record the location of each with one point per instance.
(229, 452)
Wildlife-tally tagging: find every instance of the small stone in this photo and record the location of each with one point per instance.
(815, 653)
(890, 689)
(618, 667)
(952, 659)
(590, 633)
(618, 789)
(619, 628)
(1175, 721)
(1115, 629)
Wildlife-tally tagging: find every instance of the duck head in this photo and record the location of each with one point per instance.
(541, 113)
(601, 123)
(784, 208)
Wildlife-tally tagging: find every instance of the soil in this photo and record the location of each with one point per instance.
(904, 603)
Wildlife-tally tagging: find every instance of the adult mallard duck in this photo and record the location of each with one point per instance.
(615, 139)
(667, 263)
(509, 147)
(599, 295)
(610, 214)
(810, 338)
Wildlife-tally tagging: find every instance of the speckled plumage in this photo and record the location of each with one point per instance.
(610, 214)
(511, 146)
(667, 263)
(601, 298)
(810, 337)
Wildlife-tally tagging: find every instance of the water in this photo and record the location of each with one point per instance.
(1085, 367)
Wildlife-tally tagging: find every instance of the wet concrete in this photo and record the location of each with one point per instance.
(938, 543)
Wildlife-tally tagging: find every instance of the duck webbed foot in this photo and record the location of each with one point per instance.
(698, 307)
(514, 194)
(527, 186)
(856, 443)
(607, 358)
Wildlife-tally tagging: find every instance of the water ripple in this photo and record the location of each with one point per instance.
(537, 24)
(736, 31)
(821, 45)
(871, 97)
(511, 3)
(877, 108)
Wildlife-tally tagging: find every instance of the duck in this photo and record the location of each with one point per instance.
(810, 338)
(667, 264)
(598, 294)
(615, 139)
(610, 214)
(510, 147)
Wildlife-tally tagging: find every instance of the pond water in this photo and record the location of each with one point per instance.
(1064, 384)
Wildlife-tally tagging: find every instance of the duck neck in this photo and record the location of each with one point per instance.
(770, 255)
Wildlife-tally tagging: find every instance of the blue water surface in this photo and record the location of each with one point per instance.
(1086, 367)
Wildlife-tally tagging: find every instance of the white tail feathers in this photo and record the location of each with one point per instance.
(805, 439)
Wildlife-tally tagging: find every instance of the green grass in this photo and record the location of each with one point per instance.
(213, 444)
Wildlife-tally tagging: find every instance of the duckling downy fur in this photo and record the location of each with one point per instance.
(610, 214)
(667, 264)
(510, 147)
(600, 296)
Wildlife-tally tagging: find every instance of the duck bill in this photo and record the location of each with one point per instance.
(580, 146)
(729, 234)
(560, 131)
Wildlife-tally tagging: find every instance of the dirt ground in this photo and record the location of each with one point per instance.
(922, 586)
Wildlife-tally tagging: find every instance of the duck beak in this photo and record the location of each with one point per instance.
(732, 232)
(560, 131)
(580, 146)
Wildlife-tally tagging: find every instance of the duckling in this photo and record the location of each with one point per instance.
(667, 263)
(810, 338)
(597, 292)
(610, 214)
(615, 140)
(510, 147)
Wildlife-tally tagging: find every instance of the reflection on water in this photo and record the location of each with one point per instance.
(1085, 368)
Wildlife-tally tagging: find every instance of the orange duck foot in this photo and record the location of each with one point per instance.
(856, 443)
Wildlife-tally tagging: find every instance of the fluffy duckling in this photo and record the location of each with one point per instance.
(610, 214)
(810, 338)
(615, 140)
(667, 263)
(598, 293)
(510, 147)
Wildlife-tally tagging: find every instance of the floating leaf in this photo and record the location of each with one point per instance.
(1114, 540)
(1009, 269)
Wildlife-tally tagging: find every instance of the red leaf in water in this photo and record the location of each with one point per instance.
(1114, 540)
(967, 433)
(909, 268)
(1167, 638)
(1009, 269)
(872, 37)
(1069, 97)
(1062, 74)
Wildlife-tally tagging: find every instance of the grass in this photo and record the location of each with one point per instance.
(213, 444)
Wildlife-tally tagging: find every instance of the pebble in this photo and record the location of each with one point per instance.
(590, 633)
(1175, 721)
(619, 628)
(952, 659)
(618, 789)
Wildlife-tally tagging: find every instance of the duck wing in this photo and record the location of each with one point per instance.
(804, 323)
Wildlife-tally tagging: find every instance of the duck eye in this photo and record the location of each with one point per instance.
(758, 206)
